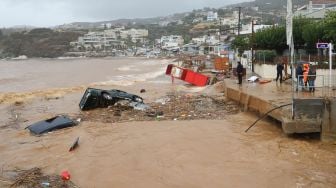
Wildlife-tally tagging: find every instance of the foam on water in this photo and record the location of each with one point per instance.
(128, 80)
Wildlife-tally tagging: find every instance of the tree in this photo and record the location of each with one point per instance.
(241, 44)
(311, 34)
(330, 26)
(138, 43)
(129, 41)
(221, 12)
(298, 27)
(273, 38)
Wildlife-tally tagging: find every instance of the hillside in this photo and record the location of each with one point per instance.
(268, 5)
(40, 42)
(264, 6)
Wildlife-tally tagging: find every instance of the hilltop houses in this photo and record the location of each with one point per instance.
(212, 16)
(172, 42)
(109, 39)
(316, 9)
(210, 45)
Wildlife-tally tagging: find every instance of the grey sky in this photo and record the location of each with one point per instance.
(56, 12)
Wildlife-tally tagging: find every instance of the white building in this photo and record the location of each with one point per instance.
(247, 29)
(230, 21)
(99, 40)
(212, 16)
(110, 39)
(164, 23)
(171, 41)
(135, 34)
(316, 9)
(198, 40)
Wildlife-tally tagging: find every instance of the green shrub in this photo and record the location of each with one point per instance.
(265, 55)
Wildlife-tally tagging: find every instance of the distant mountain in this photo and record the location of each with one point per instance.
(124, 22)
(263, 5)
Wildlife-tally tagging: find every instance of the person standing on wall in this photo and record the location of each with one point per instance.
(240, 70)
(299, 76)
(279, 68)
(311, 79)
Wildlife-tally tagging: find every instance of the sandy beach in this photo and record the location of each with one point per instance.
(172, 152)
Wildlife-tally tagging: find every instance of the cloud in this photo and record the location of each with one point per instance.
(55, 12)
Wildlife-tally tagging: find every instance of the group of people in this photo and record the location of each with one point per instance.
(305, 74)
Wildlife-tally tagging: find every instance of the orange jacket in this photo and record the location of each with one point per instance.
(305, 72)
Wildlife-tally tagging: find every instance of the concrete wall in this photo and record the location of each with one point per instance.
(329, 121)
(267, 71)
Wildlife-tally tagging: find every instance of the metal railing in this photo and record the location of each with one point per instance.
(307, 87)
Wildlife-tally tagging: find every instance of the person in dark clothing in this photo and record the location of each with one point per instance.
(311, 79)
(299, 76)
(279, 68)
(240, 70)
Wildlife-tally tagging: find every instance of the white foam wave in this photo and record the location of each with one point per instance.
(128, 68)
(156, 62)
(192, 89)
(128, 80)
(66, 58)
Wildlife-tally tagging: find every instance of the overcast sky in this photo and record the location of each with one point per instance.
(44, 13)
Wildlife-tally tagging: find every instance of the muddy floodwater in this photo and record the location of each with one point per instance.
(201, 147)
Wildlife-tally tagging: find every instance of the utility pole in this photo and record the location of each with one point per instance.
(239, 12)
(252, 47)
(330, 64)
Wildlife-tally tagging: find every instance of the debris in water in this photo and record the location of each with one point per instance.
(35, 178)
(57, 122)
(74, 145)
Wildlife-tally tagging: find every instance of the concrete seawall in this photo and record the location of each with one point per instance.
(311, 114)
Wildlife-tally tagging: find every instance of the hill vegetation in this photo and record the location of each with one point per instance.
(41, 42)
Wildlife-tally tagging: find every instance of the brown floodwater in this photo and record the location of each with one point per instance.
(41, 74)
(198, 153)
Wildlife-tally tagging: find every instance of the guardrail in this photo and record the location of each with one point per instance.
(307, 87)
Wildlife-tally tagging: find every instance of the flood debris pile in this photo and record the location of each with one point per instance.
(35, 178)
(170, 107)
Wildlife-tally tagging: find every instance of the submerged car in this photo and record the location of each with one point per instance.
(49, 125)
(98, 98)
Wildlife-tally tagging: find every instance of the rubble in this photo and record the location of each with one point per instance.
(35, 178)
(171, 107)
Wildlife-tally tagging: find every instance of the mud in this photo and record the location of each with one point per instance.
(172, 148)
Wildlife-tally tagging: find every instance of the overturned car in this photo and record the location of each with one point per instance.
(98, 98)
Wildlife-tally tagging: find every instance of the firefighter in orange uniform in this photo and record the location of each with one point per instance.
(305, 73)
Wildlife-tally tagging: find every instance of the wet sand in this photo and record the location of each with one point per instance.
(198, 153)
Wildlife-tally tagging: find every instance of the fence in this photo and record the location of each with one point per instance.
(321, 87)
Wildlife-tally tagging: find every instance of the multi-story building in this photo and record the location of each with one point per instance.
(109, 39)
(212, 16)
(99, 40)
(135, 34)
(172, 41)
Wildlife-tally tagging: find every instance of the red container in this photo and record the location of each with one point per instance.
(195, 78)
